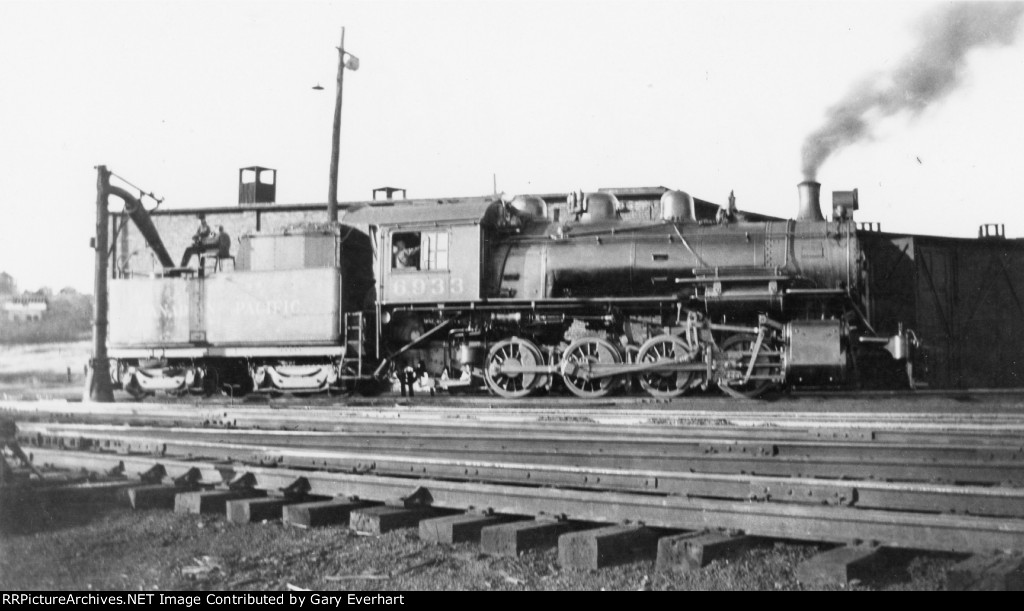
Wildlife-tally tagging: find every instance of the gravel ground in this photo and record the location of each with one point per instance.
(109, 547)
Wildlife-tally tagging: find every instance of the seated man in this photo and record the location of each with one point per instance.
(223, 243)
(202, 241)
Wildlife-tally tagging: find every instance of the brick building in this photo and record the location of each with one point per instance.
(25, 308)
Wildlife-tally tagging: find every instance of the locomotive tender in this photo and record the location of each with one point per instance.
(504, 294)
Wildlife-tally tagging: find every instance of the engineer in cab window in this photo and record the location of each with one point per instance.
(406, 258)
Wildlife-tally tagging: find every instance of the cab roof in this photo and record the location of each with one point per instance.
(478, 210)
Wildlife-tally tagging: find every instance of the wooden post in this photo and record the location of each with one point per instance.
(332, 195)
(97, 383)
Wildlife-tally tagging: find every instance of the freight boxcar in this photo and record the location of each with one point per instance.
(962, 296)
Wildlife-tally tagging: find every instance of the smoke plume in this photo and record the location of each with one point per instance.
(930, 72)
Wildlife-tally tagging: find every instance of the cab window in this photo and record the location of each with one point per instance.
(419, 250)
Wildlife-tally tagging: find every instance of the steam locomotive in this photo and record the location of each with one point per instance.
(506, 295)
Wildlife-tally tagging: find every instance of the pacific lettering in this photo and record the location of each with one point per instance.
(274, 307)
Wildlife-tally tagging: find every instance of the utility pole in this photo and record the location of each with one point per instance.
(332, 195)
(345, 60)
(98, 386)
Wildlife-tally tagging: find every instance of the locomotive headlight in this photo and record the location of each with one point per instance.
(385, 318)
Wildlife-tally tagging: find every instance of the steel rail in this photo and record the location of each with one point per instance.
(977, 500)
(805, 522)
(809, 407)
(275, 449)
(665, 419)
(756, 442)
(811, 400)
(711, 431)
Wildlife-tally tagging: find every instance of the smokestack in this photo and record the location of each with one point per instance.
(810, 201)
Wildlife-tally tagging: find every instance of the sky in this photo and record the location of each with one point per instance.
(547, 96)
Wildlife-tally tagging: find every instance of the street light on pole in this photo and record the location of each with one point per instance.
(345, 60)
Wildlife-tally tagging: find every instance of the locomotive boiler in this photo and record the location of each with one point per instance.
(514, 296)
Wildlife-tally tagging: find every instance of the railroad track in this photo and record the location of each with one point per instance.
(949, 481)
(766, 454)
(982, 418)
(1002, 401)
(840, 524)
(636, 471)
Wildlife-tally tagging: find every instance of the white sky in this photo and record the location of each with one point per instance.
(551, 96)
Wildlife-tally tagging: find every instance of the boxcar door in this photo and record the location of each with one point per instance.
(937, 320)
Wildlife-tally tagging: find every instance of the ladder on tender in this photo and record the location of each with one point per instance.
(355, 332)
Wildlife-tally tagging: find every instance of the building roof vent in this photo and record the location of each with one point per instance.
(257, 185)
(992, 231)
(389, 192)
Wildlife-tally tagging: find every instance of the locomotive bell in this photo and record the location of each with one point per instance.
(599, 206)
(530, 206)
(677, 206)
(810, 201)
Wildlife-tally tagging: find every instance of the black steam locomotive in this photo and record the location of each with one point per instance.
(508, 295)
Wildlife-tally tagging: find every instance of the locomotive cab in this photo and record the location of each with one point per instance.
(429, 254)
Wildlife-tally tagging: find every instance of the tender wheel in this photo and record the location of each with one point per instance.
(514, 351)
(577, 362)
(211, 383)
(195, 381)
(764, 366)
(667, 349)
(135, 391)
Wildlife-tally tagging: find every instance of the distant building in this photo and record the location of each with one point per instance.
(25, 308)
(8, 287)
